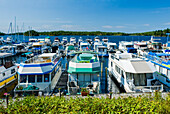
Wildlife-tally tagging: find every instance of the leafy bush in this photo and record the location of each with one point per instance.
(140, 104)
(84, 90)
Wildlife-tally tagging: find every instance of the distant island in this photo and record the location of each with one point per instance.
(94, 33)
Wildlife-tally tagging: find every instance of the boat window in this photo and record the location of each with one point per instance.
(149, 76)
(94, 77)
(122, 73)
(12, 71)
(46, 77)
(4, 74)
(117, 69)
(23, 78)
(140, 79)
(129, 76)
(87, 77)
(39, 78)
(31, 78)
(111, 64)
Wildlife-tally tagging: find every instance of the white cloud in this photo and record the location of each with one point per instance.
(119, 26)
(107, 26)
(146, 25)
(66, 26)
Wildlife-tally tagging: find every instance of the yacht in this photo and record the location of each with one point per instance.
(39, 75)
(39, 48)
(70, 49)
(8, 69)
(9, 40)
(9, 49)
(132, 73)
(79, 41)
(97, 39)
(105, 40)
(84, 71)
(47, 41)
(64, 41)
(154, 44)
(84, 46)
(127, 47)
(73, 40)
(141, 47)
(111, 47)
(1, 40)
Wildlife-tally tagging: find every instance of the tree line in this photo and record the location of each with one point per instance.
(94, 33)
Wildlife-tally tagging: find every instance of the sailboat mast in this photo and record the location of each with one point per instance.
(15, 28)
(23, 33)
(18, 34)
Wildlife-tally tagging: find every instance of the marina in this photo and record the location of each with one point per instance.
(69, 64)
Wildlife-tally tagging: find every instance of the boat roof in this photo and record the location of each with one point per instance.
(79, 52)
(47, 55)
(134, 65)
(3, 55)
(110, 43)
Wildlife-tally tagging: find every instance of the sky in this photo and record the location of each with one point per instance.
(85, 15)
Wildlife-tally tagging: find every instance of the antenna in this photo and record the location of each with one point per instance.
(15, 28)
(23, 33)
(18, 34)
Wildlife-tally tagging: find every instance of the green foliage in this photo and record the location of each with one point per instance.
(140, 104)
(31, 33)
(1, 34)
(84, 90)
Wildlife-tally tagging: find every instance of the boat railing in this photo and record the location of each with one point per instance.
(149, 88)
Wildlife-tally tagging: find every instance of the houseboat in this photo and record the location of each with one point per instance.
(154, 44)
(111, 47)
(8, 69)
(39, 75)
(132, 73)
(84, 71)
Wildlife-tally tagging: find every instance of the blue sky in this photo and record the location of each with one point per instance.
(86, 15)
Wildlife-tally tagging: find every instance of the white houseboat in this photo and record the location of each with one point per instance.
(133, 74)
(39, 74)
(8, 69)
(73, 40)
(84, 71)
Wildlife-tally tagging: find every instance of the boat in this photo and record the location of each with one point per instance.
(79, 41)
(1, 40)
(84, 71)
(64, 41)
(161, 61)
(111, 47)
(47, 41)
(141, 47)
(73, 40)
(102, 51)
(97, 39)
(105, 40)
(123, 45)
(39, 75)
(9, 49)
(70, 49)
(39, 48)
(9, 40)
(84, 46)
(8, 69)
(154, 44)
(132, 73)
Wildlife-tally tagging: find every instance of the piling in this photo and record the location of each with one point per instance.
(105, 79)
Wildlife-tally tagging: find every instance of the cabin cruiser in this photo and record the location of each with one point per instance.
(79, 41)
(97, 39)
(8, 69)
(21, 48)
(56, 41)
(102, 51)
(64, 41)
(105, 40)
(141, 47)
(84, 71)
(47, 41)
(154, 44)
(111, 47)
(1, 40)
(84, 46)
(132, 73)
(9, 40)
(73, 40)
(39, 48)
(70, 49)
(123, 45)
(39, 75)
(9, 49)
(32, 40)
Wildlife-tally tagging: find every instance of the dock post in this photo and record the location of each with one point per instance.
(105, 79)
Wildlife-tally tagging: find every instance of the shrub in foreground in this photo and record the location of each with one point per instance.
(140, 104)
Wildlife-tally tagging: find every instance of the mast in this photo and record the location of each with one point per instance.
(23, 33)
(15, 28)
(18, 34)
